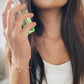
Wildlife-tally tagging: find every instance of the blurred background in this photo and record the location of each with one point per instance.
(3, 64)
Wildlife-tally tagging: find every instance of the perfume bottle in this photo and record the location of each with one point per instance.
(26, 21)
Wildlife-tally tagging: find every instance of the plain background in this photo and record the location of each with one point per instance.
(3, 67)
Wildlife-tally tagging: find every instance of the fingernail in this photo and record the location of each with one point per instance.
(32, 14)
(34, 23)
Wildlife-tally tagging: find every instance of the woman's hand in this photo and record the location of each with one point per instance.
(16, 37)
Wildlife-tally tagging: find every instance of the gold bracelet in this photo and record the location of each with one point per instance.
(22, 69)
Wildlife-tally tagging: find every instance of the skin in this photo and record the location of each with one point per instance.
(48, 4)
(17, 39)
(50, 14)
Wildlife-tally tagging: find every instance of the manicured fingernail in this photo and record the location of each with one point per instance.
(32, 14)
(34, 23)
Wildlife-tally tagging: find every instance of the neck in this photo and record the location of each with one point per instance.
(51, 19)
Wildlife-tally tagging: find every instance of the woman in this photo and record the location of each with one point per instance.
(55, 51)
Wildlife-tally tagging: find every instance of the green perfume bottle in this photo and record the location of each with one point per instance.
(26, 21)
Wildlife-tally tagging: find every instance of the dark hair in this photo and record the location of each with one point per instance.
(72, 31)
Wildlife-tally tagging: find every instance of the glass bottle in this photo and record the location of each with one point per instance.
(26, 21)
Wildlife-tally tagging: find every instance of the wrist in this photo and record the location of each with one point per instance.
(20, 64)
(20, 67)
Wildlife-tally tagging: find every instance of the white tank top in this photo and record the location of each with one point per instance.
(58, 74)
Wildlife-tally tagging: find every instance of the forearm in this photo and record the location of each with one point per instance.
(16, 77)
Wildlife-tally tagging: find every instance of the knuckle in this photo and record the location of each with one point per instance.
(29, 25)
(14, 35)
(17, 6)
(23, 16)
(15, 38)
(30, 14)
(8, 34)
(10, 11)
(33, 24)
(26, 15)
(20, 6)
(20, 16)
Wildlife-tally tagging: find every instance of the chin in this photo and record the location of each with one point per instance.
(47, 4)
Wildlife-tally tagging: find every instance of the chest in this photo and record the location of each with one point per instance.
(53, 52)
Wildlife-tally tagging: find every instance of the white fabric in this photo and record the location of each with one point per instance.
(58, 74)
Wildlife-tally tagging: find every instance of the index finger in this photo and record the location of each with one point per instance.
(4, 14)
(8, 5)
